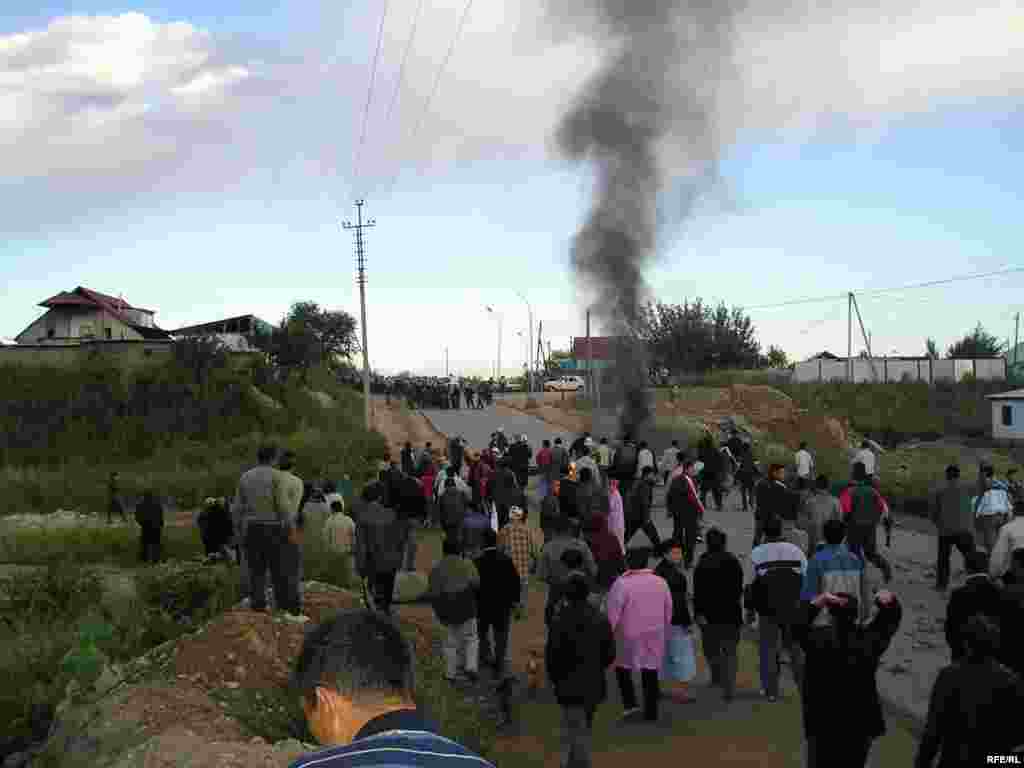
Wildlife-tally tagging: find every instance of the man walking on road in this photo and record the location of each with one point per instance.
(775, 594)
(717, 603)
(774, 499)
(819, 507)
(378, 546)
(832, 568)
(863, 508)
(978, 594)
(638, 513)
(683, 503)
(953, 515)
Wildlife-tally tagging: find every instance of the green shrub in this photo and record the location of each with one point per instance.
(188, 592)
(63, 589)
(114, 545)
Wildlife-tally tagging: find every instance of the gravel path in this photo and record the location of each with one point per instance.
(919, 649)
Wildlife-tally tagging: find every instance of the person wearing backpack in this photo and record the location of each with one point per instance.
(774, 593)
(863, 509)
(624, 466)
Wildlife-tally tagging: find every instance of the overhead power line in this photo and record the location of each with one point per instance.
(876, 291)
(369, 97)
(437, 83)
(405, 58)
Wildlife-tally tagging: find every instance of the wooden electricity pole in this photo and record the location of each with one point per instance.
(358, 227)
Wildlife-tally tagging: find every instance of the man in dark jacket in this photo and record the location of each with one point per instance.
(408, 459)
(453, 511)
(551, 511)
(559, 459)
(456, 453)
(842, 660)
(624, 466)
(149, 514)
(974, 705)
(717, 603)
(498, 595)
(711, 475)
(979, 594)
(579, 650)
(774, 499)
(379, 541)
(1012, 619)
(779, 568)
(507, 492)
(519, 455)
(591, 498)
(638, 512)
(685, 509)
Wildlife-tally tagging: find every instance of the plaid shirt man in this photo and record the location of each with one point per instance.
(516, 540)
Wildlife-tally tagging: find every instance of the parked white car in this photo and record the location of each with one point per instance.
(564, 384)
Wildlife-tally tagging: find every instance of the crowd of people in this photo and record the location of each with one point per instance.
(443, 393)
(621, 596)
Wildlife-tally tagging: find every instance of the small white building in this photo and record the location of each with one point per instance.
(1008, 415)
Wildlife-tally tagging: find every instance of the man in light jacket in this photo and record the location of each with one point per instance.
(953, 515)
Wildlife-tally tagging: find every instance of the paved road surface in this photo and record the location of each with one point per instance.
(918, 651)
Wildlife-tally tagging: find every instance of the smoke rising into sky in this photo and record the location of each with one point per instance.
(665, 60)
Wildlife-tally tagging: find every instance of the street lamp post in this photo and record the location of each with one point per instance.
(497, 370)
(529, 372)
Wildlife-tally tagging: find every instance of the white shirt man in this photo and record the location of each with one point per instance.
(644, 458)
(866, 457)
(804, 464)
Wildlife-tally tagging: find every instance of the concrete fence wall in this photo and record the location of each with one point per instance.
(893, 370)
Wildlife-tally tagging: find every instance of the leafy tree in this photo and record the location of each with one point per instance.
(695, 337)
(309, 336)
(334, 330)
(777, 358)
(978, 343)
(931, 348)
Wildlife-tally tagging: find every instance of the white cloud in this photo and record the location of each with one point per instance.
(90, 93)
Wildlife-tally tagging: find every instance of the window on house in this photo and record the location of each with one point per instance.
(51, 332)
(1007, 415)
(109, 332)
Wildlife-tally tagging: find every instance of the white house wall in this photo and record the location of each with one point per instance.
(1014, 431)
(893, 370)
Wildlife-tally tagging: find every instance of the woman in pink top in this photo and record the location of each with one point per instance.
(616, 516)
(640, 612)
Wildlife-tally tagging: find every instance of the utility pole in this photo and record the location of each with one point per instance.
(446, 371)
(849, 338)
(529, 369)
(590, 360)
(1016, 339)
(358, 227)
(867, 339)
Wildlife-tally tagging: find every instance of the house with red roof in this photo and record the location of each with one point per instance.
(83, 315)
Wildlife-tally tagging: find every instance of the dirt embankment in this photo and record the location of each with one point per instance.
(400, 425)
(764, 408)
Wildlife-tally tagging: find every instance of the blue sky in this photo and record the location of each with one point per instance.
(208, 175)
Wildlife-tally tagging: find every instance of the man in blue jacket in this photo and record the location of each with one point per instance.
(355, 674)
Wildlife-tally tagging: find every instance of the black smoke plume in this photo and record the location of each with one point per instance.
(657, 84)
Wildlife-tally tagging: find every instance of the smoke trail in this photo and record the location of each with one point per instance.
(659, 83)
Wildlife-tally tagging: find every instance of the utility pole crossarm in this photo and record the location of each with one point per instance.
(358, 228)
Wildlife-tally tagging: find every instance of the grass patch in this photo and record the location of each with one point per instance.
(116, 545)
(57, 624)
